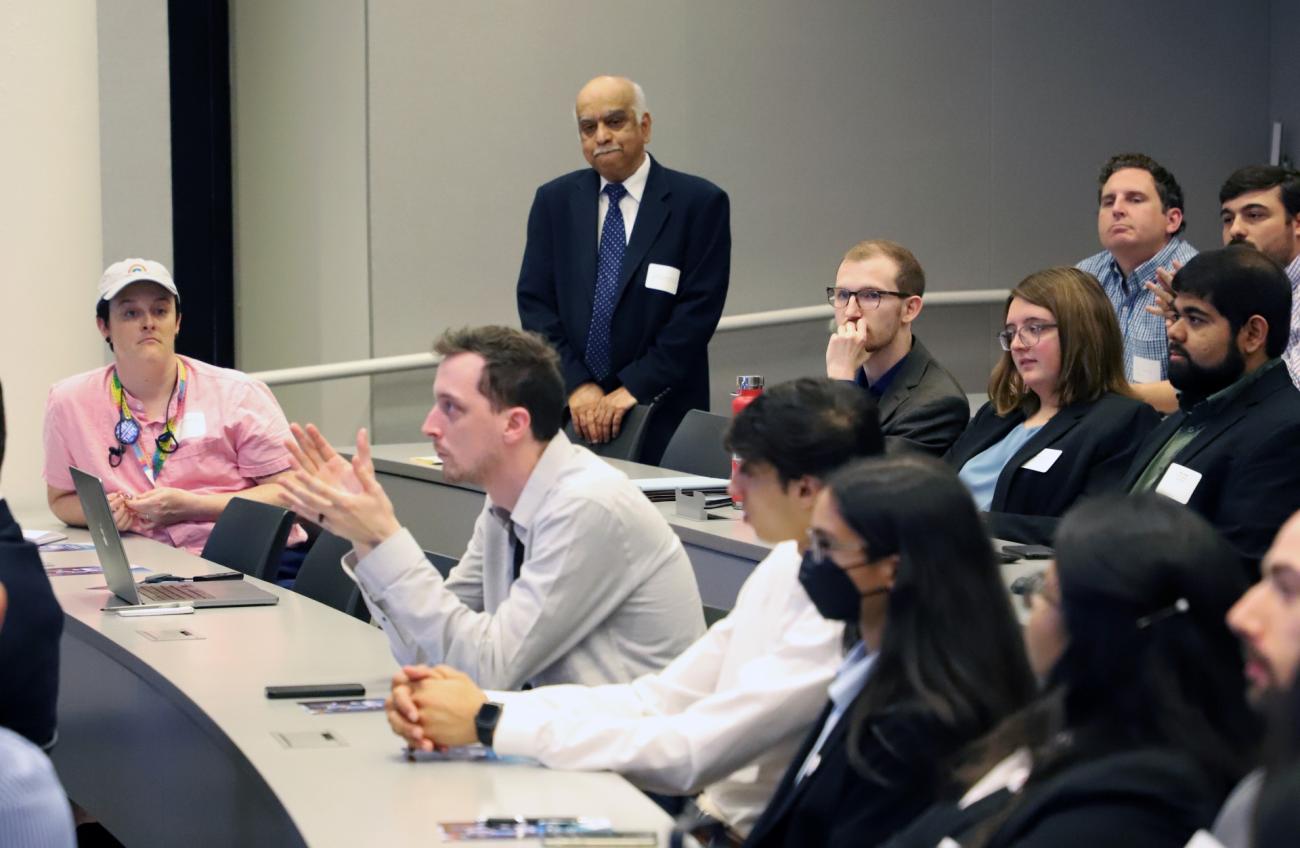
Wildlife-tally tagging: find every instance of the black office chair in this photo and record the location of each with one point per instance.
(321, 577)
(442, 562)
(712, 615)
(249, 537)
(696, 447)
(627, 444)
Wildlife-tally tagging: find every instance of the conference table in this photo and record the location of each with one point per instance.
(165, 733)
(440, 514)
(723, 549)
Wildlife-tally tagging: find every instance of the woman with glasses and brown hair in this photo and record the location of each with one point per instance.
(896, 551)
(1142, 725)
(1060, 421)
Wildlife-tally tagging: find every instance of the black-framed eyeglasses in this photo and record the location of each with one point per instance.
(821, 546)
(867, 298)
(1029, 585)
(1029, 335)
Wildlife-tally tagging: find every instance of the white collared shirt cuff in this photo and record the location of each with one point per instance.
(385, 562)
(518, 728)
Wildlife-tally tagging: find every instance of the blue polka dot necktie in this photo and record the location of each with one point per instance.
(609, 263)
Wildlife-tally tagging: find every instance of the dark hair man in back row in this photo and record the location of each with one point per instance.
(1232, 450)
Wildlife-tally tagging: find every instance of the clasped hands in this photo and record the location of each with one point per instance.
(158, 507)
(598, 417)
(343, 497)
(434, 708)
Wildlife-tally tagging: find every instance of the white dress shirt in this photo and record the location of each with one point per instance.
(843, 691)
(727, 716)
(606, 592)
(628, 204)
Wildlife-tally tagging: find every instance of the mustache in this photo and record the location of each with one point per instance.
(1241, 240)
(609, 148)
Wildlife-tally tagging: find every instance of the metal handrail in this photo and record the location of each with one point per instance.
(752, 320)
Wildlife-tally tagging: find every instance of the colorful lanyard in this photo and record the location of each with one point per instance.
(128, 431)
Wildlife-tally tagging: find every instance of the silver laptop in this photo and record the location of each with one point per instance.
(117, 569)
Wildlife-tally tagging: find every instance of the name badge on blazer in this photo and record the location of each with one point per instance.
(1044, 460)
(1178, 483)
(662, 278)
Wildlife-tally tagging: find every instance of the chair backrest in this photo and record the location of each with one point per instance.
(627, 444)
(442, 562)
(321, 577)
(249, 537)
(696, 447)
(712, 615)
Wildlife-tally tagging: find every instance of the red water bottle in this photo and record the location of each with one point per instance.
(747, 388)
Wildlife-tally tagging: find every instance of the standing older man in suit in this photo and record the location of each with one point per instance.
(625, 272)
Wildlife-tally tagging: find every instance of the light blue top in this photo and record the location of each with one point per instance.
(981, 471)
(846, 686)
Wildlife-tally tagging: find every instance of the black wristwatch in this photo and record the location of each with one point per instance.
(485, 723)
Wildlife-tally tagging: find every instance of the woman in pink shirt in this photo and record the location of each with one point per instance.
(172, 438)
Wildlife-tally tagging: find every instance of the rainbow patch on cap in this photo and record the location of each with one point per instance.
(135, 268)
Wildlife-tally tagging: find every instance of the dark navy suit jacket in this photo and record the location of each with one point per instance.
(29, 639)
(1097, 440)
(659, 340)
(1248, 456)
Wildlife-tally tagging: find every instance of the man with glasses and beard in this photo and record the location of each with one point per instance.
(1232, 450)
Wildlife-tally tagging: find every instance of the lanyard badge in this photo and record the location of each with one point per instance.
(127, 430)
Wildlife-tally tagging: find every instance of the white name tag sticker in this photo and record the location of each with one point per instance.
(1146, 370)
(1202, 839)
(662, 278)
(1178, 483)
(1045, 459)
(193, 426)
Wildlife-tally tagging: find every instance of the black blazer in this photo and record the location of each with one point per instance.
(924, 408)
(1150, 797)
(1097, 440)
(659, 340)
(836, 805)
(29, 639)
(1248, 456)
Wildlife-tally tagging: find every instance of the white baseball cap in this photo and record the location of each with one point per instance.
(119, 275)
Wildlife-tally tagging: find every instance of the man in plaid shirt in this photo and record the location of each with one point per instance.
(1139, 219)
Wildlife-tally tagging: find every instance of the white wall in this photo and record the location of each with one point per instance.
(300, 162)
(135, 130)
(50, 231)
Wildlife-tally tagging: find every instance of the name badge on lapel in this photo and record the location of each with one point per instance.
(662, 278)
(1178, 483)
(1045, 459)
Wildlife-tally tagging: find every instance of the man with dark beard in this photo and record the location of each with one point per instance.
(1232, 450)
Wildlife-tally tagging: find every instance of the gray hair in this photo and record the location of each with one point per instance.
(639, 107)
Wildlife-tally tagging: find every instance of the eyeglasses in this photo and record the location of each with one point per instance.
(821, 546)
(1029, 334)
(1030, 585)
(867, 298)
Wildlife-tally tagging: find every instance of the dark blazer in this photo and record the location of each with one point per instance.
(836, 805)
(659, 340)
(1248, 456)
(1149, 797)
(1097, 440)
(29, 639)
(924, 408)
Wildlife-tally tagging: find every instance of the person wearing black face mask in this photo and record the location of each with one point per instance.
(1232, 450)
(896, 550)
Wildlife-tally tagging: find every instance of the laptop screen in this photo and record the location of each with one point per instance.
(103, 532)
